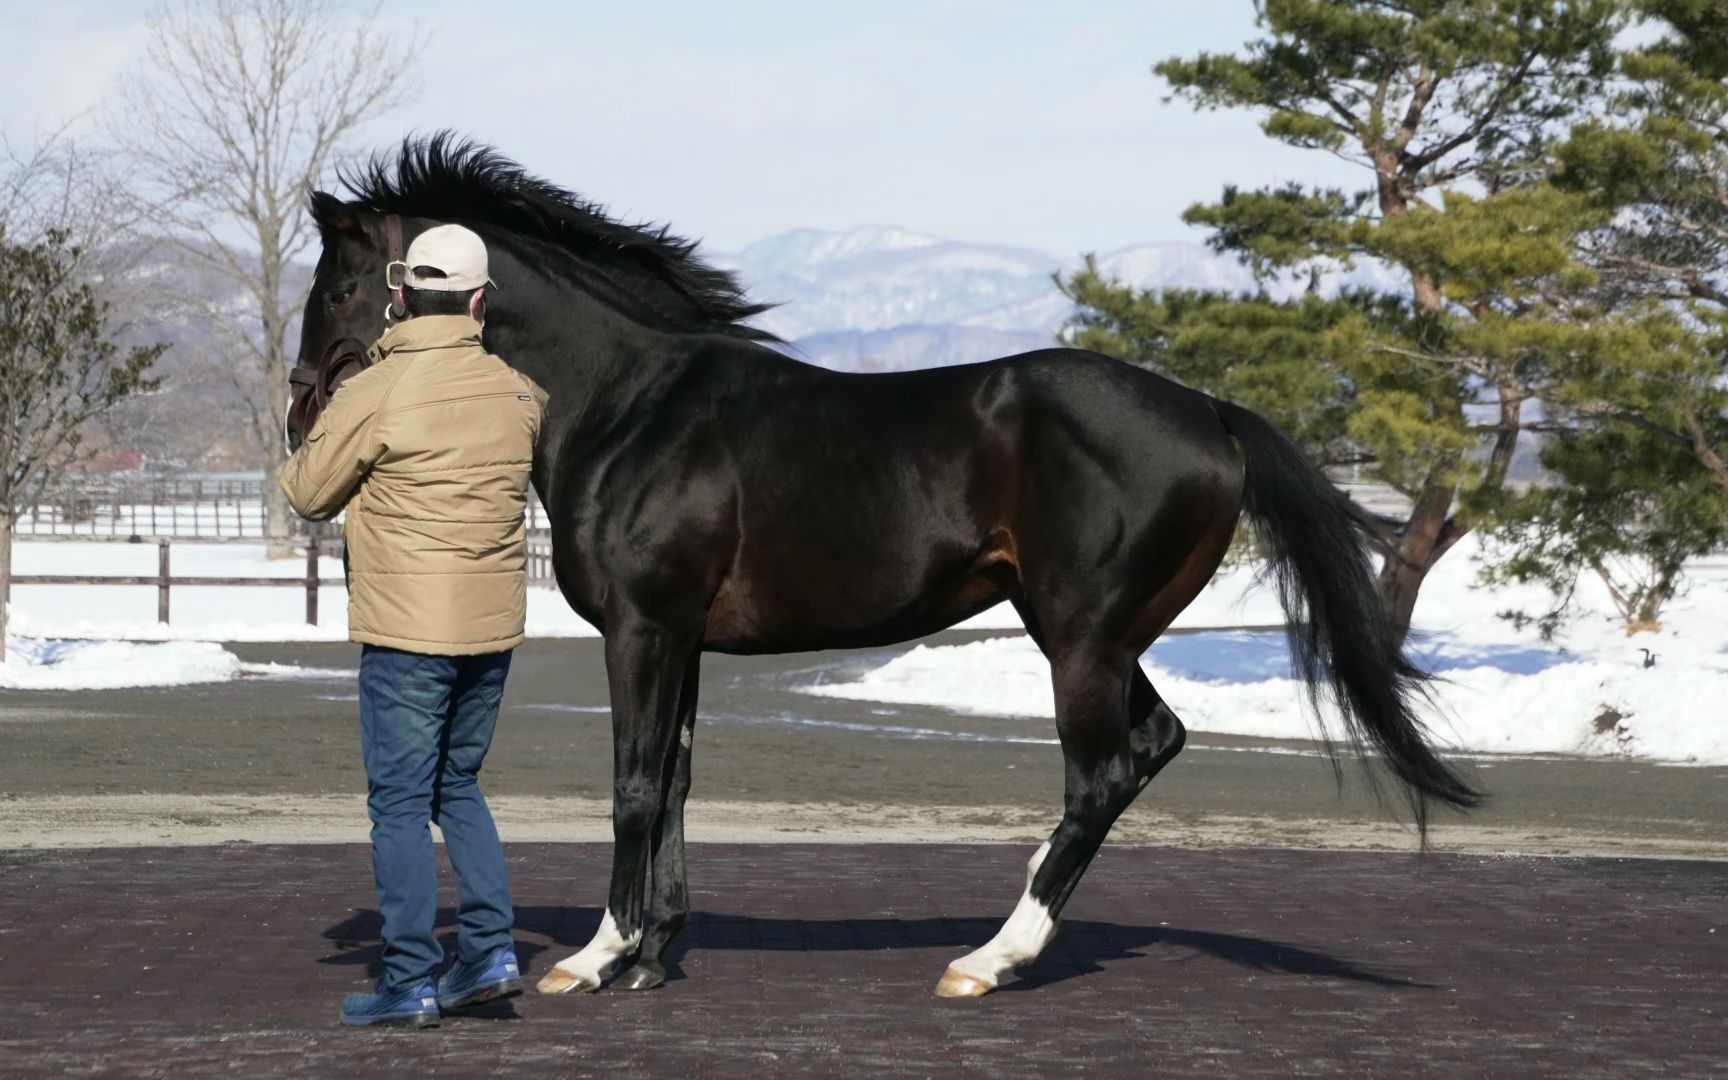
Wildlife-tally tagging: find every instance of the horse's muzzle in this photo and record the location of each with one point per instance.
(310, 388)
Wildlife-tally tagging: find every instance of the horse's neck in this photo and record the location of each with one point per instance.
(604, 371)
(593, 376)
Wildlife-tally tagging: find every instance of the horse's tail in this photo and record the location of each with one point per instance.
(1339, 634)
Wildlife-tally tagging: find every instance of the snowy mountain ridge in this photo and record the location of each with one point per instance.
(879, 297)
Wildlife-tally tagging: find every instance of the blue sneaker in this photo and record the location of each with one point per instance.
(417, 1007)
(493, 979)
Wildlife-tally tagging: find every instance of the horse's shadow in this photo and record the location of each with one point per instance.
(1084, 945)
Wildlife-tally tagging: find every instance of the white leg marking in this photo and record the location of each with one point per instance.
(597, 958)
(1036, 861)
(1020, 940)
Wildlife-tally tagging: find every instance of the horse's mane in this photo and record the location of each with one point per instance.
(459, 180)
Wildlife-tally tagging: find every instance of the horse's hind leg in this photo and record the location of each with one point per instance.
(668, 886)
(1101, 779)
(1155, 733)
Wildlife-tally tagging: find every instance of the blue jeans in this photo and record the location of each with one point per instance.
(425, 724)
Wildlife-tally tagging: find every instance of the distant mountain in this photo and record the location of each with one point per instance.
(900, 348)
(876, 278)
(882, 298)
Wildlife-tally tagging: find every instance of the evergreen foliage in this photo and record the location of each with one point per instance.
(1657, 161)
(1449, 107)
(58, 371)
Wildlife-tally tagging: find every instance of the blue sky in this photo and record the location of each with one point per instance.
(1014, 122)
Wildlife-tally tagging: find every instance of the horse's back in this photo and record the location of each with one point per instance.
(874, 508)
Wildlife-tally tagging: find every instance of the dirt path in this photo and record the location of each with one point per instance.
(76, 821)
(278, 761)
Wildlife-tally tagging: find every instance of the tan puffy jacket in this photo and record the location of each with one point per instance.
(429, 449)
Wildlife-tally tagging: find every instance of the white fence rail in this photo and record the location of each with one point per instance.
(215, 509)
(199, 511)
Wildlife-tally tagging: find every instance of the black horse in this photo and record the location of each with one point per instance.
(708, 492)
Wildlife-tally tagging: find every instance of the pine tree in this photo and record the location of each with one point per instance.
(1658, 162)
(1625, 506)
(1639, 432)
(1448, 106)
(59, 370)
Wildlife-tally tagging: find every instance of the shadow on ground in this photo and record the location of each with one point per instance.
(1083, 946)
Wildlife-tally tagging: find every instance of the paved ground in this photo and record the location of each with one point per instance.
(820, 959)
(236, 760)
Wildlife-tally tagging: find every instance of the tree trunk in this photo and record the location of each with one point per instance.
(5, 578)
(278, 515)
(1399, 585)
(1415, 553)
(265, 430)
(1702, 450)
(1648, 616)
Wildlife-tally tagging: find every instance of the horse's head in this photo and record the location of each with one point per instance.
(350, 304)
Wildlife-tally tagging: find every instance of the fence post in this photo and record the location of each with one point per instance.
(312, 581)
(162, 582)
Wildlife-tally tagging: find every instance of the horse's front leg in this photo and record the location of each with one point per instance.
(646, 662)
(669, 888)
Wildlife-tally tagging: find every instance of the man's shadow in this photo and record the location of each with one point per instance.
(1083, 945)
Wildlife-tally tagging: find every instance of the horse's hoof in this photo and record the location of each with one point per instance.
(639, 978)
(559, 981)
(957, 984)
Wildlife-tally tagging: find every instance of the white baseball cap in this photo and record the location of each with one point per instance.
(457, 253)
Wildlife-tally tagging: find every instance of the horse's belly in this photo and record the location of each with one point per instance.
(853, 607)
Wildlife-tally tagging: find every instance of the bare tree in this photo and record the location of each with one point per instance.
(65, 183)
(241, 107)
(66, 303)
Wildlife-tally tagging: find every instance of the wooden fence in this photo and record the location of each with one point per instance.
(540, 562)
(164, 580)
(539, 557)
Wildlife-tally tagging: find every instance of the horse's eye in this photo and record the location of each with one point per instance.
(337, 297)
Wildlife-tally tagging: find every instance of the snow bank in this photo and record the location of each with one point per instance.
(1577, 707)
(111, 665)
(1505, 690)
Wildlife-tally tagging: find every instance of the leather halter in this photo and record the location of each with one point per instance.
(311, 387)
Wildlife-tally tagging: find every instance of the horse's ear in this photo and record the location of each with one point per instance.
(333, 215)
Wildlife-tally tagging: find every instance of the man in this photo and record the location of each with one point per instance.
(429, 450)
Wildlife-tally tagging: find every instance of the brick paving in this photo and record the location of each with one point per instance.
(819, 960)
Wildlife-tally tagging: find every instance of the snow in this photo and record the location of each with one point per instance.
(1504, 691)
(223, 613)
(107, 665)
(81, 637)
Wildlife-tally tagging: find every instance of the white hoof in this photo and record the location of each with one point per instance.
(584, 972)
(560, 981)
(958, 984)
